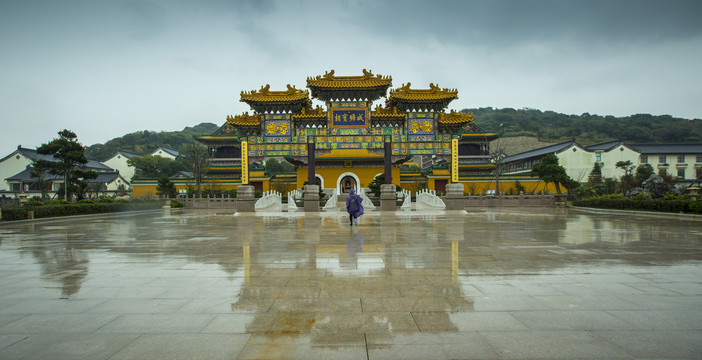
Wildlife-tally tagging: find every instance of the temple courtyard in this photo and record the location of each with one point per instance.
(479, 284)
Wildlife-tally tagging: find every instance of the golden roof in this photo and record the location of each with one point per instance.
(367, 80)
(244, 119)
(292, 95)
(455, 118)
(386, 113)
(434, 93)
(308, 113)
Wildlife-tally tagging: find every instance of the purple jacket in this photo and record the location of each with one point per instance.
(352, 195)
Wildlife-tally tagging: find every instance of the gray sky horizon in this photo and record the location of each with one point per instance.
(107, 68)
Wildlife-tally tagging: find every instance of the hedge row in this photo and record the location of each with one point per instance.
(644, 205)
(40, 211)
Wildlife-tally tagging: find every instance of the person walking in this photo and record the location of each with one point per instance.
(354, 206)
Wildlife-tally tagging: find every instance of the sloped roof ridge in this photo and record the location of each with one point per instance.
(541, 151)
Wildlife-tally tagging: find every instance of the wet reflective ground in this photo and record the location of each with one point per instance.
(408, 285)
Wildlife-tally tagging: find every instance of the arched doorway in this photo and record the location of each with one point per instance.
(346, 182)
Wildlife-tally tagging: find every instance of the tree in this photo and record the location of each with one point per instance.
(166, 188)
(595, 177)
(374, 185)
(549, 170)
(70, 161)
(97, 187)
(39, 172)
(197, 159)
(627, 180)
(643, 172)
(627, 166)
(273, 166)
(154, 166)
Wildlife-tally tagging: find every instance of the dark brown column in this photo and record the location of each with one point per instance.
(388, 162)
(310, 164)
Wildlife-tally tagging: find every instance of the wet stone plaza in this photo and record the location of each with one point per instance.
(479, 284)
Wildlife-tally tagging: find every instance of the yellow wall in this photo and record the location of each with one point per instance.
(147, 188)
(477, 187)
(331, 175)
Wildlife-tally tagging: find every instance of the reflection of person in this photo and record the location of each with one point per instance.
(354, 244)
(354, 206)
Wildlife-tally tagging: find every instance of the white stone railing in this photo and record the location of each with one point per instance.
(428, 197)
(269, 198)
(407, 202)
(331, 203)
(292, 196)
(366, 203)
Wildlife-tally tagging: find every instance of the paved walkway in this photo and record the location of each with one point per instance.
(485, 284)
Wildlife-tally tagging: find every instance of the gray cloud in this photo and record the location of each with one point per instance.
(162, 65)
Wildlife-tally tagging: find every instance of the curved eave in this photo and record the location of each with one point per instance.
(421, 98)
(217, 137)
(348, 84)
(310, 117)
(491, 136)
(384, 116)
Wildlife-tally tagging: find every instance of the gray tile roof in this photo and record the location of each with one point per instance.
(169, 150)
(667, 148)
(34, 155)
(26, 176)
(129, 154)
(551, 149)
(605, 146)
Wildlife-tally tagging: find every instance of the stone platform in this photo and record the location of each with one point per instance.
(482, 284)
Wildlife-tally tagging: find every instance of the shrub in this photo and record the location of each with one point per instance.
(176, 204)
(79, 208)
(695, 207)
(635, 204)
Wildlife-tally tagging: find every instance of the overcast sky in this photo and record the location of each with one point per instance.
(107, 68)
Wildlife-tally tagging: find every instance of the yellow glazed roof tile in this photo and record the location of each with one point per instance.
(367, 80)
(434, 93)
(265, 95)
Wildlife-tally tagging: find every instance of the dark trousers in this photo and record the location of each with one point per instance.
(351, 217)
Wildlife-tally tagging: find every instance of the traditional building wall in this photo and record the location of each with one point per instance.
(577, 161)
(119, 163)
(331, 176)
(610, 158)
(11, 165)
(482, 185)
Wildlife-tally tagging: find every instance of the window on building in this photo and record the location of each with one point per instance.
(681, 173)
(698, 172)
(644, 159)
(598, 156)
(698, 158)
(681, 159)
(661, 159)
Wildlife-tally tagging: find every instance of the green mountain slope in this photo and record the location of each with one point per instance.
(144, 142)
(549, 126)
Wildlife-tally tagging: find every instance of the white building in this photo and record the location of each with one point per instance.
(15, 172)
(118, 162)
(165, 152)
(681, 160)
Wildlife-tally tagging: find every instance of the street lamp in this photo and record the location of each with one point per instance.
(496, 159)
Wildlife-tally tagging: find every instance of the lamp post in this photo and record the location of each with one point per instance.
(497, 161)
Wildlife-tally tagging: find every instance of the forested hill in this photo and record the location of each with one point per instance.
(549, 126)
(144, 142)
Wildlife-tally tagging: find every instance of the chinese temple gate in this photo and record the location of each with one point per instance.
(349, 142)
